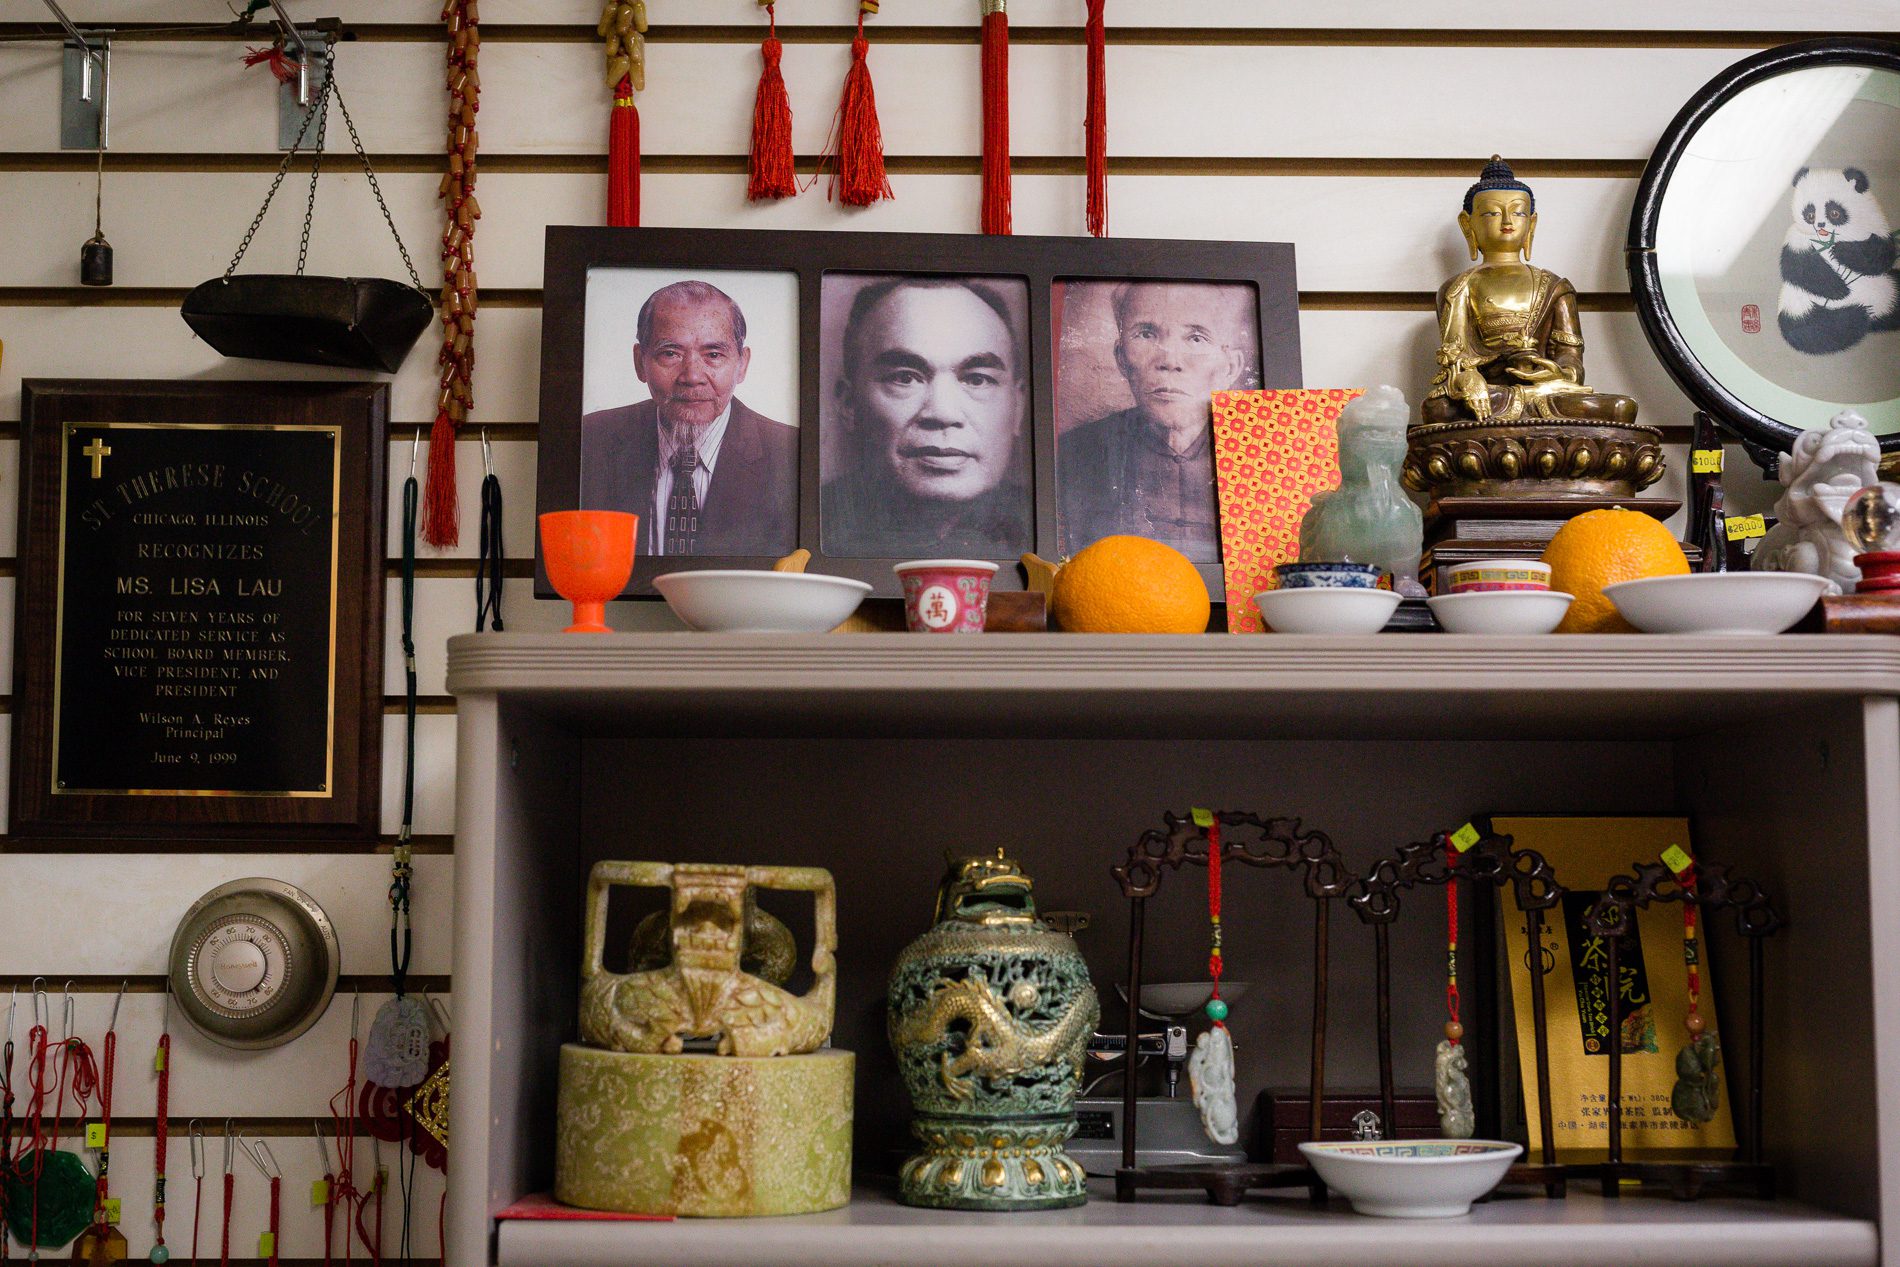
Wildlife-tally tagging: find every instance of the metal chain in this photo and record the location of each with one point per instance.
(374, 188)
(319, 110)
(316, 158)
(317, 107)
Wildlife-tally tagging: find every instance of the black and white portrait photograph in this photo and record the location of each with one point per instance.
(689, 401)
(926, 429)
(1136, 367)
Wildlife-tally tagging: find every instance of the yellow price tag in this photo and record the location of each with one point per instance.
(1465, 837)
(95, 1135)
(1677, 859)
(266, 1244)
(158, 1061)
(1202, 817)
(319, 1193)
(1706, 462)
(1744, 527)
(112, 1210)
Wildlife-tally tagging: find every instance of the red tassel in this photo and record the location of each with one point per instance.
(996, 218)
(1095, 126)
(440, 523)
(281, 64)
(860, 179)
(623, 160)
(772, 173)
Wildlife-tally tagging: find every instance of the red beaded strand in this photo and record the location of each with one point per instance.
(1691, 950)
(1454, 1028)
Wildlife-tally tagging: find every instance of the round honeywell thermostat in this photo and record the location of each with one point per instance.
(254, 963)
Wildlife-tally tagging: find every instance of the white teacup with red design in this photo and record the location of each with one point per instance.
(1489, 576)
(945, 595)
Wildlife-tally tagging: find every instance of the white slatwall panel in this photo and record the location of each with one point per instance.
(1230, 102)
(1372, 16)
(1349, 107)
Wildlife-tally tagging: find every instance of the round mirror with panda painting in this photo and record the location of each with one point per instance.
(1762, 250)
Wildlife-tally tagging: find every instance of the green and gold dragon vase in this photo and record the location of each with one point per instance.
(990, 1014)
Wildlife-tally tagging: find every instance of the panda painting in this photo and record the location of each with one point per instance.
(1838, 280)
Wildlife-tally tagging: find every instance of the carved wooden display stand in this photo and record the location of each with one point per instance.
(1257, 842)
(1491, 861)
(1756, 919)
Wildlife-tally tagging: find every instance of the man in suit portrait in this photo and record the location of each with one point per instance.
(930, 403)
(705, 474)
(1148, 470)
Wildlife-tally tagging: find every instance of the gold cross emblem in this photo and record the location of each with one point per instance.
(98, 451)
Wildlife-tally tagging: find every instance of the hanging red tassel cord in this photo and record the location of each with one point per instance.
(772, 172)
(623, 24)
(281, 64)
(859, 179)
(1095, 124)
(996, 217)
(440, 522)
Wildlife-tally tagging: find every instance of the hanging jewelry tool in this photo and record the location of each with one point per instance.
(1211, 1067)
(162, 1064)
(6, 1118)
(259, 1153)
(196, 1135)
(30, 1172)
(102, 1242)
(346, 1194)
(456, 359)
(230, 1195)
(95, 255)
(323, 1192)
(488, 571)
(1456, 1117)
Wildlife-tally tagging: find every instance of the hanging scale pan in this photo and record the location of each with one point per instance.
(254, 963)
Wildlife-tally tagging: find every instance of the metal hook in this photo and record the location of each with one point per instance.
(66, 1016)
(259, 1152)
(13, 1005)
(323, 1148)
(92, 54)
(356, 1012)
(42, 1007)
(440, 1011)
(229, 1141)
(113, 1025)
(196, 1133)
(488, 458)
(303, 51)
(165, 1022)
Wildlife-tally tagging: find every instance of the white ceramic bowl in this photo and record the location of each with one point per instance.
(1413, 1179)
(738, 601)
(1500, 611)
(1181, 998)
(1718, 602)
(1326, 611)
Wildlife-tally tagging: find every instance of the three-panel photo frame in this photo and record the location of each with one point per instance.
(874, 398)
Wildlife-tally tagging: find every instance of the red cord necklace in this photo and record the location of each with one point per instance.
(196, 1135)
(102, 1241)
(344, 1192)
(1450, 1081)
(1697, 1095)
(260, 1154)
(324, 1193)
(230, 1194)
(161, 1062)
(1211, 1067)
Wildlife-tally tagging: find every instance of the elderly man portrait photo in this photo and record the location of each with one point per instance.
(927, 449)
(706, 474)
(1146, 468)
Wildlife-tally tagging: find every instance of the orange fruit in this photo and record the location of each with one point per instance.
(1605, 547)
(1130, 585)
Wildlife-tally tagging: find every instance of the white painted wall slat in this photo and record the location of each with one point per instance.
(1168, 100)
(1530, 19)
(1351, 233)
(113, 914)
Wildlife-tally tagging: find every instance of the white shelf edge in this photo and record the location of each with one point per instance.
(874, 1230)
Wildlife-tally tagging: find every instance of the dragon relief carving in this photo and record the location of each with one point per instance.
(994, 1043)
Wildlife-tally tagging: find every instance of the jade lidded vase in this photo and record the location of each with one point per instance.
(990, 1016)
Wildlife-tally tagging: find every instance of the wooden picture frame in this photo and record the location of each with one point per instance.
(824, 265)
(1735, 361)
(199, 634)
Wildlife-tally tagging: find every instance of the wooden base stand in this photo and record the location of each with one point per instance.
(1690, 1180)
(1224, 1185)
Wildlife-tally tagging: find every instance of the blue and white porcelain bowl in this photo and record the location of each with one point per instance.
(1328, 576)
(1413, 1179)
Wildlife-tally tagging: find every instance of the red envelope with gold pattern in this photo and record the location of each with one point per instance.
(1272, 451)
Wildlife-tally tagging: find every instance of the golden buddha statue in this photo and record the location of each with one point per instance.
(1509, 402)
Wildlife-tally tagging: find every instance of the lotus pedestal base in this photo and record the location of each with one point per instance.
(975, 1163)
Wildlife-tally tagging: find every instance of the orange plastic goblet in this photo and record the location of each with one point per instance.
(589, 556)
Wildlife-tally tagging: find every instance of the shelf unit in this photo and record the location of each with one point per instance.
(870, 753)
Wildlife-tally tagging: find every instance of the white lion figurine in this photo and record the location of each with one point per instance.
(1824, 469)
